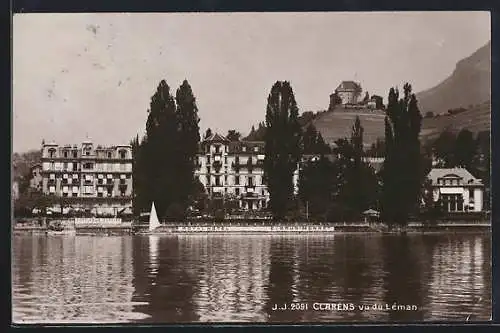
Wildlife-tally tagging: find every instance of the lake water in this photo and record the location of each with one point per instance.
(227, 278)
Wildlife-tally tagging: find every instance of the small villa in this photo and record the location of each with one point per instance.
(458, 190)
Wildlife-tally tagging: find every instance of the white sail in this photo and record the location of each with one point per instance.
(153, 218)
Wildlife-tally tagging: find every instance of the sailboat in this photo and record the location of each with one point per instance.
(153, 219)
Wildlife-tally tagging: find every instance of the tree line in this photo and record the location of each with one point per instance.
(335, 182)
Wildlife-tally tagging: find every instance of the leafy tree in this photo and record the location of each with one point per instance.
(402, 174)
(139, 177)
(366, 98)
(465, 149)
(188, 142)
(233, 135)
(358, 185)
(315, 187)
(208, 133)
(432, 209)
(160, 164)
(444, 149)
(313, 142)
(482, 164)
(377, 149)
(283, 145)
(165, 158)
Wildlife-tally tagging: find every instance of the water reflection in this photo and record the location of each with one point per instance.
(211, 278)
(72, 279)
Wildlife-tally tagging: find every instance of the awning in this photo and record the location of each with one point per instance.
(451, 190)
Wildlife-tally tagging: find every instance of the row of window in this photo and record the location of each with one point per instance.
(217, 180)
(218, 150)
(452, 181)
(89, 166)
(87, 190)
(238, 191)
(86, 152)
(87, 177)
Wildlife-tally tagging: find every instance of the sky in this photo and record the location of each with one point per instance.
(91, 76)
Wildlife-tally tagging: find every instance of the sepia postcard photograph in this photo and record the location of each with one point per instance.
(293, 168)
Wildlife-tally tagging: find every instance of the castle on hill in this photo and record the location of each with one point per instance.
(349, 94)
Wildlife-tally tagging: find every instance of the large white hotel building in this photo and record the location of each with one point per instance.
(235, 168)
(89, 177)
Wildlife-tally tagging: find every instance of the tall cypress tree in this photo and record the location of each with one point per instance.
(283, 142)
(188, 142)
(402, 174)
(161, 148)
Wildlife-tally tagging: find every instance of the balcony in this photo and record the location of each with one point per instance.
(217, 165)
(250, 188)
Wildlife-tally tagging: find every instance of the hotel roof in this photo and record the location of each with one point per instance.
(464, 174)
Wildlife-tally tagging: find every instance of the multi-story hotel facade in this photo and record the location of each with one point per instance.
(235, 169)
(91, 178)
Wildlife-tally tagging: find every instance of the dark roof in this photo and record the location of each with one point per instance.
(216, 137)
(348, 86)
(468, 178)
(237, 146)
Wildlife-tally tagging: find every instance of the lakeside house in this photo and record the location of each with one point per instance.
(458, 190)
(235, 168)
(88, 178)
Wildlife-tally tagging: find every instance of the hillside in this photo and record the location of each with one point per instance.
(469, 84)
(476, 119)
(338, 124)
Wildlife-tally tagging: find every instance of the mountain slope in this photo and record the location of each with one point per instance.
(468, 85)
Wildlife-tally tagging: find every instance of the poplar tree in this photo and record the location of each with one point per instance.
(402, 174)
(188, 134)
(161, 148)
(283, 145)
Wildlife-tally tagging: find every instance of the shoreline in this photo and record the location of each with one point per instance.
(260, 229)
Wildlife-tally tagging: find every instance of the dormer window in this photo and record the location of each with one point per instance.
(65, 154)
(123, 154)
(75, 154)
(52, 153)
(109, 154)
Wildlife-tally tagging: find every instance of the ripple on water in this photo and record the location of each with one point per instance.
(234, 279)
